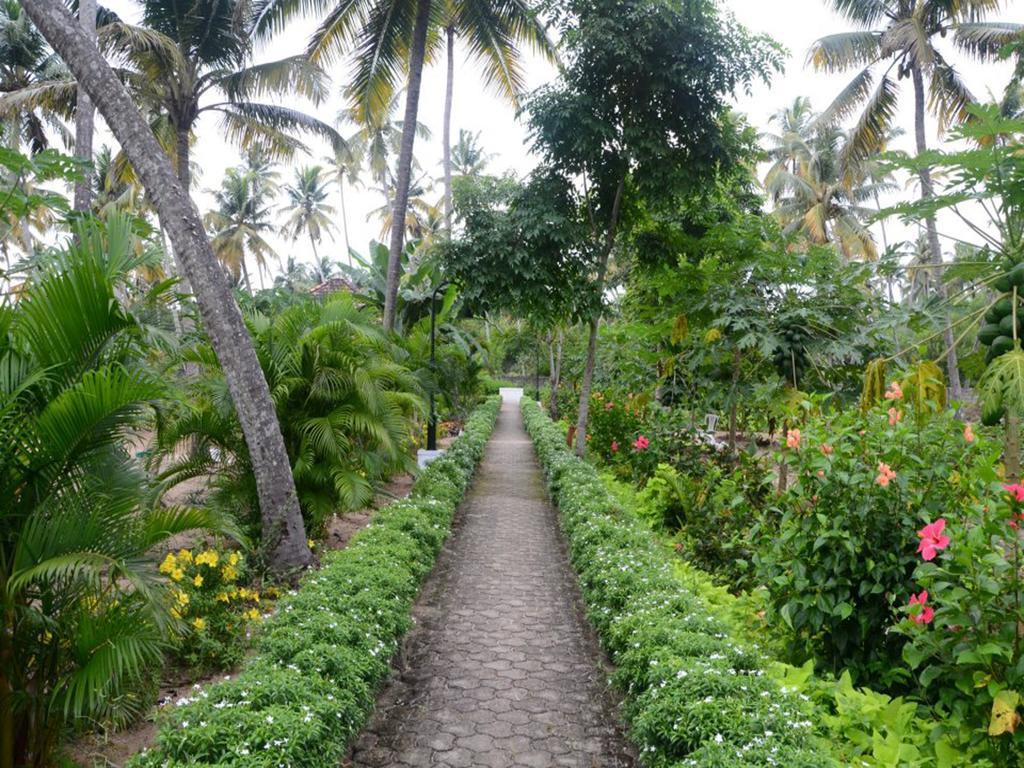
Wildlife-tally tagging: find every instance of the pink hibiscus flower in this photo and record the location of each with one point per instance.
(641, 443)
(793, 439)
(932, 539)
(1016, 491)
(926, 614)
(895, 392)
(895, 416)
(615, 446)
(885, 474)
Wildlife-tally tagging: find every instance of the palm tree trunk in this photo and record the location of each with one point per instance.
(344, 217)
(316, 256)
(446, 133)
(182, 152)
(245, 276)
(928, 192)
(412, 104)
(85, 115)
(284, 537)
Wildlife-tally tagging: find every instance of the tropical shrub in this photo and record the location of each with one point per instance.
(837, 549)
(965, 619)
(617, 433)
(344, 403)
(214, 606)
(695, 695)
(709, 515)
(325, 650)
(85, 615)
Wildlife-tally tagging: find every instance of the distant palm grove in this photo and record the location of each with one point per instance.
(771, 374)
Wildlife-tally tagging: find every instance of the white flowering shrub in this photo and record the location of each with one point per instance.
(694, 695)
(325, 652)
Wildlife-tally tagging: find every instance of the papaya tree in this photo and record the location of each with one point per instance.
(985, 191)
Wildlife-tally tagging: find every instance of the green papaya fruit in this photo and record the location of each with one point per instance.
(1016, 276)
(989, 333)
(1003, 307)
(1001, 346)
(1006, 325)
(1002, 283)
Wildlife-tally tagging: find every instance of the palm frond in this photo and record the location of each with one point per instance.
(845, 50)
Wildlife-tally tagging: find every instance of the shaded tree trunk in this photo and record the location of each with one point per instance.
(284, 536)
(555, 353)
(412, 104)
(85, 115)
(588, 370)
(935, 248)
(446, 133)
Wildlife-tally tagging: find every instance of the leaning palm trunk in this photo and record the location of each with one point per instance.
(412, 104)
(928, 192)
(85, 115)
(284, 537)
(446, 133)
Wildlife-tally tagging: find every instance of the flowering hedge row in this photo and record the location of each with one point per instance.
(694, 696)
(322, 656)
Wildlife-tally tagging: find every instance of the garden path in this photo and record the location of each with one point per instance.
(502, 669)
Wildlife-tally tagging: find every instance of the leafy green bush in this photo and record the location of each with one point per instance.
(966, 626)
(214, 607)
(695, 696)
(85, 617)
(343, 402)
(838, 550)
(327, 647)
(709, 516)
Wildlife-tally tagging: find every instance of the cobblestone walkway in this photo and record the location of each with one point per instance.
(502, 669)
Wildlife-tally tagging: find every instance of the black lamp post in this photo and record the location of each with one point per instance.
(432, 423)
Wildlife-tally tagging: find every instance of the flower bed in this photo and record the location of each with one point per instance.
(322, 656)
(694, 696)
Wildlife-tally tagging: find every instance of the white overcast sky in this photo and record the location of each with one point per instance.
(793, 23)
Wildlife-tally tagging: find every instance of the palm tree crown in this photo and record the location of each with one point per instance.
(308, 211)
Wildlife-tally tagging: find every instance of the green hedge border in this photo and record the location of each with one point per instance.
(323, 655)
(694, 696)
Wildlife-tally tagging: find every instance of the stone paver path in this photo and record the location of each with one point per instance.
(502, 669)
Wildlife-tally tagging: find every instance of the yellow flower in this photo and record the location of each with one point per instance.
(252, 614)
(198, 580)
(311, 544)
(177, 574)
(228, 573)
(185, 555)
(182, 598)
(169, 563)
(233, 594)
(175, 613)
(222, 597)
(272, 592)
(209, 557)
(233, 558)
(199, 623)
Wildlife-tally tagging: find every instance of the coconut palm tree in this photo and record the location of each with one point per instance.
(468, 157)
(493, 31)
(308, 213)
(239, 223)
(895, 40)
(282, 531)
(390, 40)
(26, 62)
(818, 188)
(345, 166)
(192, 59)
